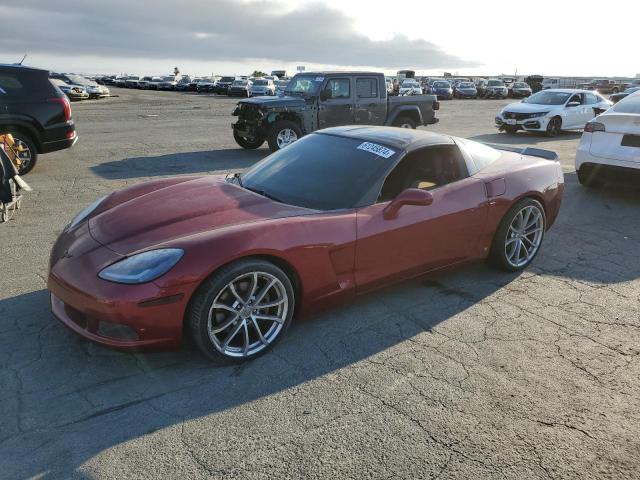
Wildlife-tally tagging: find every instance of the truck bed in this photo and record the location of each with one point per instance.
(426, 103)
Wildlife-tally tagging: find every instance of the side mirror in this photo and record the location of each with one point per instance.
(573, 104)
(410, 196)
(325, 95)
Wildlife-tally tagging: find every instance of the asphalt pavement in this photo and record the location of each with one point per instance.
(471, 374)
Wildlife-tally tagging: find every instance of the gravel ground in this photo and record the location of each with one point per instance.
(471, 374)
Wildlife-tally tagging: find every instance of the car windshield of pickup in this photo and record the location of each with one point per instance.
(322, 172)
(304, 84)
(548, 98)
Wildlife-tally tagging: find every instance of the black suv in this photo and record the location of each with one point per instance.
(35, 112)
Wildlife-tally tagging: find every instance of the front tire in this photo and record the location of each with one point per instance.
(282, 134)
(554, 127)
(29, 154)
(241, 311)
(509, 129)
(404, 122)
(247, 143)
(519, 236)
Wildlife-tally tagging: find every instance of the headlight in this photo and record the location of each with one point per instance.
(84, 213)
(536, 115)
(143, 267)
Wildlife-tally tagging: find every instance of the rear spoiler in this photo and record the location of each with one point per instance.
(531, 151)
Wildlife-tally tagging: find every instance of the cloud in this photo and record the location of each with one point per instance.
(203, 30)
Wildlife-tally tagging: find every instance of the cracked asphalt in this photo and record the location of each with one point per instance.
(470, 374)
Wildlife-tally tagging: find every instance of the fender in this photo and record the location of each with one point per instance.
(10, 122)
(412, 110)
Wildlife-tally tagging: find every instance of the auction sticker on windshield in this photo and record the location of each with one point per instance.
(376, 149)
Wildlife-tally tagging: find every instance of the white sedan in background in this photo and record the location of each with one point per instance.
(552, 111)
(610, 144)
(410, 87)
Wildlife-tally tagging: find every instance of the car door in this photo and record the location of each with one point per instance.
(370, 101)
(420, 238)
(572, 116)
(336, 103)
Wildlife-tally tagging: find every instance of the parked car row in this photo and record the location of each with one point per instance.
(77, 87)
(223, 85)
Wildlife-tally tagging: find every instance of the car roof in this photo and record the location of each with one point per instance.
(333, 72)
(22, 67)
(568, 90)
(401, 138)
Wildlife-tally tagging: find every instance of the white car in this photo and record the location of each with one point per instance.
(551, 111)
(262, 86)
(410, 87)
(611, 144)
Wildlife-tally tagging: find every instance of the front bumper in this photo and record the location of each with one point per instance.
(534, 124)
(126, 317)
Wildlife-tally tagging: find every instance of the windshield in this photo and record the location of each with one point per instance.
(322, 172)
(520, 85)
(495, 83)
(409, 83)
(305, 84)
(548, 98)
(466, 85)
(239, 83)
(261, 83)
(441, 84)
(78, 80)
(632, 89)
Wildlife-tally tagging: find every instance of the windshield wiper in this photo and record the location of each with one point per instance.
(264, 194)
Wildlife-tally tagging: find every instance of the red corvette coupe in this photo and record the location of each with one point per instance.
(342, 211)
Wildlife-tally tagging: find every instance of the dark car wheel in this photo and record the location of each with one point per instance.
(26, 151)
(241, 311)
(519, 236)
(554, 126)
(246, 142)
(404, 122)
(588, 177)
(509, 129)
(282, 134)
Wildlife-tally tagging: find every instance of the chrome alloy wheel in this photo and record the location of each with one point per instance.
(248, 314)
(524, 236)
(285, 137)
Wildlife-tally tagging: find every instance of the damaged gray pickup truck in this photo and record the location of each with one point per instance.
(313, 101)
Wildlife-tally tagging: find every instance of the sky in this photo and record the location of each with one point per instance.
(233, 37)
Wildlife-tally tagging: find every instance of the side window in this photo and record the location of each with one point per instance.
(367, 87)
(338, 88)
(592, 99)
(10, 86)
(576, 98)
(427, 168)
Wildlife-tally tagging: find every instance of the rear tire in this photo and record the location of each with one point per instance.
(587, 178)
(283, 133)
(513, 234)
(227, 305)
(246, 143)
(404, 122)
(30, 150)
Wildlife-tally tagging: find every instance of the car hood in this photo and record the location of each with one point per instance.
(154, 213)
(271, 102)
(521, 107)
